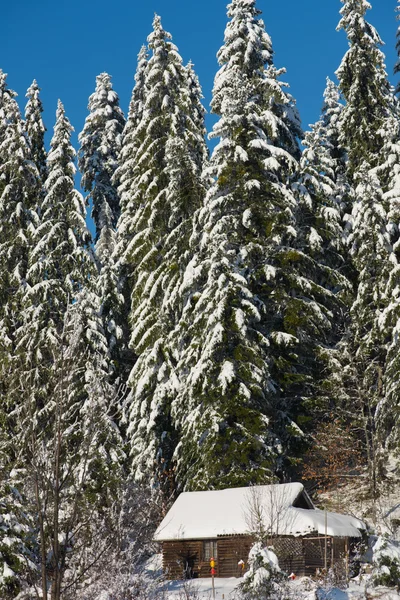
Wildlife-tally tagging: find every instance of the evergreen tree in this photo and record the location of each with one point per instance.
(117, 276)
(368, 131)
(98, 160)
(62, 422)
(17, 540)
(322, 187)
(108, 290)
(397, 65)
(253, 317)
(124, 174)
(364, 85)
(19, 191)
(61, 263)
(161, 186)
(98, 156)
(388, 318)
(371, 248)
(35, 129)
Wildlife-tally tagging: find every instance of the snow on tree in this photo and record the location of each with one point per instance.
(19, 191)
(243, 331)
(71, 453)
(63, 418)
(321, 186)
(364, 85)
(112, 308)
(116, 276)
(324, 195)
(61, 263)
(264, 578)
(96, 398)
(124, 174)
(35, 129)
(161, 187)
(397, 65)
(371, 248)
(100, 143)
(17, 541)
(369, 131)
(389, 316)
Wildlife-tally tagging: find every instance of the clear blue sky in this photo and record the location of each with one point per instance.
(64, 45)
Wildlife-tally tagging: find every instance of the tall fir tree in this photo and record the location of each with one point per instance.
(161, 180)
(397, 65)
(36, 130)
(364, 84)
(19, 189)
(100, 143)
(368, 130)
(253, 317)
(117, 277)
(61, 263)
(322, 187)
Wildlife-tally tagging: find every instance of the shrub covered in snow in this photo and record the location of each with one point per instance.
(264, 578)
(386, 558)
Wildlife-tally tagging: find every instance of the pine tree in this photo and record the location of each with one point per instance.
(117, 276)
(35, 129)
(322, 186)
(368, 131)
(61, 263)
(124, 174)
(364, 346)
(98, 160)
(19, 189)
(364, 85)
(100, 143)
(161, 187)
(62, 419)
(397, 65)
(245, 368)
(388, 318)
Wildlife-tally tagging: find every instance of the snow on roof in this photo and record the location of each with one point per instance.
(207, 515)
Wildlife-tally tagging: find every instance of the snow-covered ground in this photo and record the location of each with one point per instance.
(202, 588)
(300, 589)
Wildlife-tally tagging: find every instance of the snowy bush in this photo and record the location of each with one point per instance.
(386, 558)
(264, 578)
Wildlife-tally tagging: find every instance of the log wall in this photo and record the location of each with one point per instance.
(299, 555)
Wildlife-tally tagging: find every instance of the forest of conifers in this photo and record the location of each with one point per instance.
(228, 308)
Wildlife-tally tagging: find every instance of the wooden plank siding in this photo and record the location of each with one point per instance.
(231, 550)
(299, 555)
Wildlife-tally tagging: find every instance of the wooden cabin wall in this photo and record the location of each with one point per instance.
(176, 554)
(231, 550)
(298, 555)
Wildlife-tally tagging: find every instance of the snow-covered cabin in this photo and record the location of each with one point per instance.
(223, 524)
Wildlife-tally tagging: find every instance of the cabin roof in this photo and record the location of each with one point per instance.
(210, 514)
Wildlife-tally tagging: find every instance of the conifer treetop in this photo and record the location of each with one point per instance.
(100, 146)
(354, 23)
(35, 128)
(397, 65)
(62, 238)
(246, 41)
(364, 85)
(247, 49)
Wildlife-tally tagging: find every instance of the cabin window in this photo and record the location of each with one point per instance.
(210, 549)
